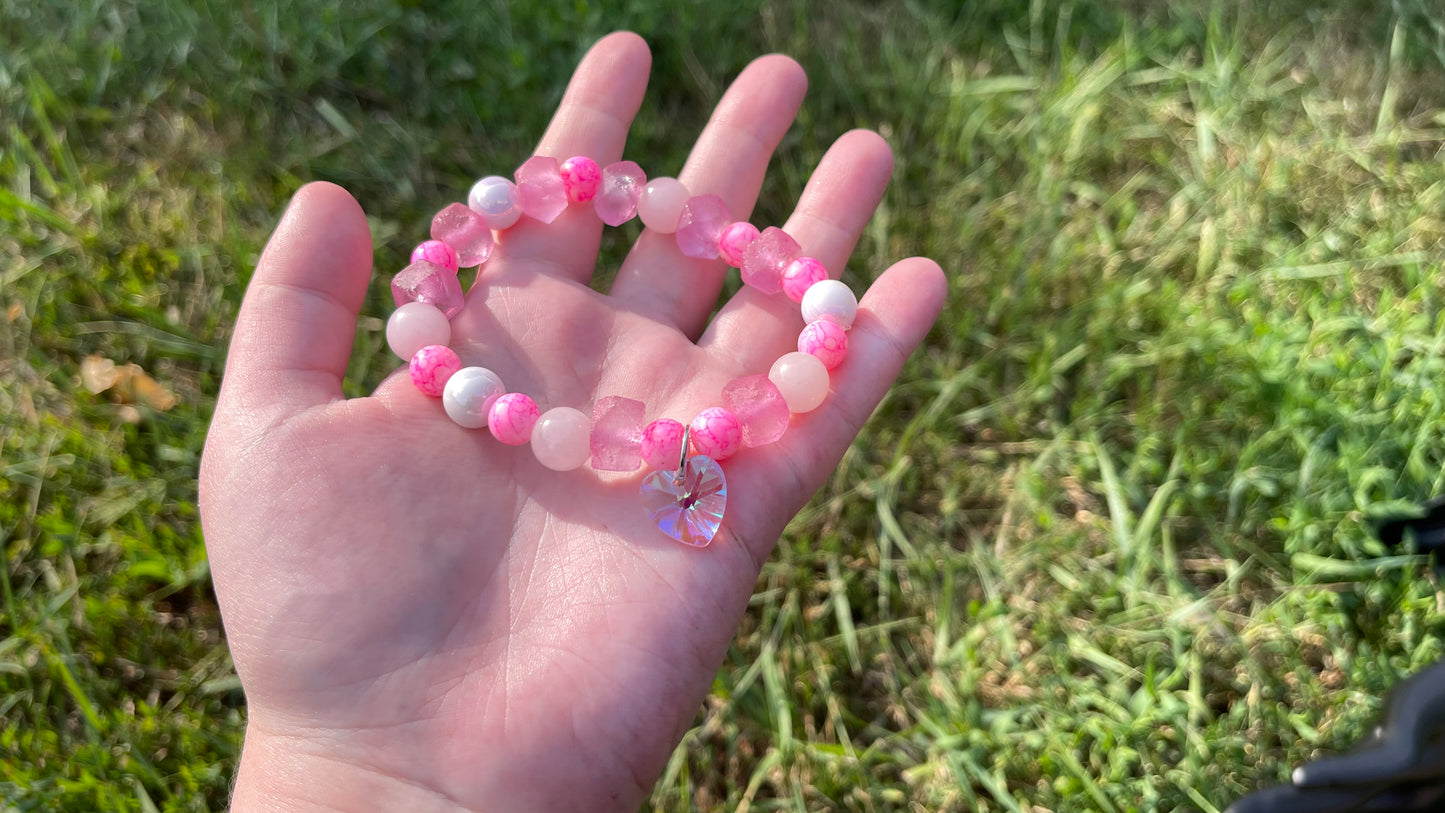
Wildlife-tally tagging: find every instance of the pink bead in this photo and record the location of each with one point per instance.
(497, 201)
(616, 440)
(580, 177)
(539, 185)
(414, 326)
(560, 439)
(765, 259)
(717, 433)
(802, 379)
(432, 367)
(759, 407)
(702, 220)
(617, 197)
(512, 417)
(466, 232)
(734, 242)
(800, 275)
(661, 204)
(424, 281)
(826, 340)
(662, 444)
(435, 251)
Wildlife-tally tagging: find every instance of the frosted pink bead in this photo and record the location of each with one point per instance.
(826, 340)
(616, 439)
(802, 379)
(717, 433)
(560, 439)
(468, 396)
(661, 204)
(622, 185)
(414, 326)
(700, 224)
(800, 275)
(435, 251)
(831, 300)
(765, 259)
(662, 444)
(425, 281)
(512, 417)
(580, 177)
(734, 241)
(760, 409)
(497, 200)
(432, 367)
(540, 188)
(465, 231)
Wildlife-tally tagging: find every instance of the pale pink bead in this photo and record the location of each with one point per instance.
(512, 417)
(766, 257)
(734, 242)
(616, 439)
(497, 200)
(800, 275)
(661, 204)
(414, 326)
(465, 231)
(581, 177)
(662, 444)
(432, 367)
(831, 300)
(802, 379)
(539, 185)
(826, 340)
(435, 251)
(425, 281)
(560, 439)
(622, 185)
(717, 433)
(699, 225)
(759, 407)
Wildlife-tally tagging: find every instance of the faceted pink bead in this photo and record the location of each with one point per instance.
(432, 367)
(428, 282)
(661, 204)
(759, 407)
(617, 434)
(465, 231)
(800, 275)
(539, 183)
(512, 417)
(717, 433)
(622, 185)
(734, 242)
(662, 444)
(826, 340)
(436, 251)
(702, 220)
(765, 259)
(580, 177)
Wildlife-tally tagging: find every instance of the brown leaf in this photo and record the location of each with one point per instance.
(98, 374)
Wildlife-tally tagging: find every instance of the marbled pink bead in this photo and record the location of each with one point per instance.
(701, 223)
(616, 439)
(717, 433)
(512, 417)
(465, 231)
(734, 240)
(760, 408)
(661, 204)
(425, 281)
(435, 251)
(580, 177)
(662, 444)
(432, 367)
(826, 340)
(622, 185)
(539, 185)
(765, 259)
(800, 275)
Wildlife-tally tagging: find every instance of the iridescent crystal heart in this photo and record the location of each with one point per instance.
(688, 509)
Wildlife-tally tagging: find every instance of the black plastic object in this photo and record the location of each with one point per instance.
(1427, 530)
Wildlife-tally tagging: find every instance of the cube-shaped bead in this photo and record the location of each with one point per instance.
(703, 218)
(617, 196)
(760, 408)
(767, 257)
(428, 282)
(465, 231)
(540, 186)
(617, 434)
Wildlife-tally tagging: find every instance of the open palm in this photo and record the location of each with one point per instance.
(425, 619)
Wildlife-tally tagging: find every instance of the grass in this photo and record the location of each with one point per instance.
(1105, 547)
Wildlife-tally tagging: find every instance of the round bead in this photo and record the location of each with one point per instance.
(800, 276)
(734, 240)
(414, 326)
(830, 300)
(512, 417)
(469, 394)
(561, 439)
(581, 176)
(662, 444)
(826, 340)
(717, 433)
(661, 204)
(497, 200)
(435, 251)
(432, 367)
(802, 379)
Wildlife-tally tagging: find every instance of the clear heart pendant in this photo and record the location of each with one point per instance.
(687, 504)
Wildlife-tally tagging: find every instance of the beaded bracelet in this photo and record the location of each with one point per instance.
(686, 494)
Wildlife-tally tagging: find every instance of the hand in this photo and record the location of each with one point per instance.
(425, 619)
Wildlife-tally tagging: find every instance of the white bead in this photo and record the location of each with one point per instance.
(496, 199)
(832, 300)
(469, 394)
(416, 325)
